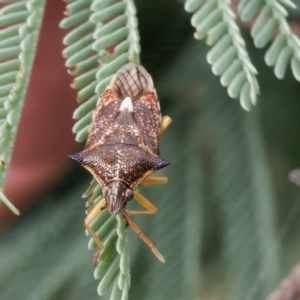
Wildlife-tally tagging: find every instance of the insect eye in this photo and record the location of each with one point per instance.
(104, 192)
(129, 194)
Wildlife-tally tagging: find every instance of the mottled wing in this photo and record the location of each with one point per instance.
(105, 112)
(147, 115)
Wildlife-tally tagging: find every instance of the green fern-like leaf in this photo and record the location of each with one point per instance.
(66, 245)
(20, 23)
(215, 21)
(103, 39)
(247, 206)
(180, 218)
(285, 48)
(113, 264)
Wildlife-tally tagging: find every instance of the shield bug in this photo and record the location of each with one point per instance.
(122, 147)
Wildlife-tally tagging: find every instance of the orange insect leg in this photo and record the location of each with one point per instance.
(151, 209)
(155, 180)
(165, 122)
(88, 220)
(143, 237)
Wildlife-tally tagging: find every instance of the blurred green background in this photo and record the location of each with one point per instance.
(228, 223)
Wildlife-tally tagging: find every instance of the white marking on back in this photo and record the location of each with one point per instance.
(126, 105)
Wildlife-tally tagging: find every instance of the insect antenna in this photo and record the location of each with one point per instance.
(143, 237)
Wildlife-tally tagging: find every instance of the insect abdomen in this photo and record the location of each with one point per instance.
(132, 81)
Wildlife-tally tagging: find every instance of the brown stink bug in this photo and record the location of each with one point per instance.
(122, 146)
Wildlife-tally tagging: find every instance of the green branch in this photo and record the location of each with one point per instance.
(285, 48)
(103, 39)
(17, 51)
(215, 21)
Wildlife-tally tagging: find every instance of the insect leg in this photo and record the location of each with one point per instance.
(154, 180)
(143, 237)
(88, 220)
(90, 204)
(151, 209)
(165, 122)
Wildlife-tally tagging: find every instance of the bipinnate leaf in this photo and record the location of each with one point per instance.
(103, 38)
(215, 21)
(20, 24)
